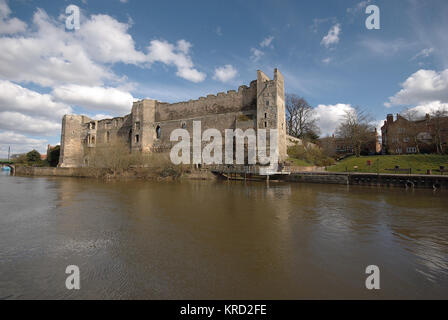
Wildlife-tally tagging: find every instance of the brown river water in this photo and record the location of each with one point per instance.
(219, 240)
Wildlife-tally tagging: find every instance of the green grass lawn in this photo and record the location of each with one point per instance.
(418, 163)
(299, 162)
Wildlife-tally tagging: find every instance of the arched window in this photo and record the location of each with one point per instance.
(158, 132)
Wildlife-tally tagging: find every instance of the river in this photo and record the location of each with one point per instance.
(219, 240)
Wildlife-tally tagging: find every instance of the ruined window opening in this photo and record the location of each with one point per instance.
(92, 125)
(137, 138)
(265, 115)
(137, 125)
(107, 136)
(93, 140)
(267, 103)
(265, 124)
(158, 132)
(183, 125)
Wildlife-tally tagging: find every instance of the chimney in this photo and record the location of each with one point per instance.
(390, 118)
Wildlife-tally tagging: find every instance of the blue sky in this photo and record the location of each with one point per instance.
(179, 50)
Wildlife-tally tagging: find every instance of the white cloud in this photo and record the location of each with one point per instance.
(107, 40)
(422, 87)
(225, 73)
(95, 98)
(19, 143)
(329, 117)
(49, 56)
(177, 55)
(326, 60)
(18, 122)
(424, 53)
(266, 42)
(423, 109)
(256, 54)
(15, 98)
(332, 37)
(9, 25)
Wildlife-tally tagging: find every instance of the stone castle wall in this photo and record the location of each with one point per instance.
(149, 125)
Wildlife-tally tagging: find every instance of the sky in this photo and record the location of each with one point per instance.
(127, 50)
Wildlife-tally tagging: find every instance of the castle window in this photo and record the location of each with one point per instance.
(107, 136)
(267, 103)
(137, 138)
(137, 125)
(183, 125)
(92, 125)
(265, 115)
(93, 140)
(158, 132)
(265, 124)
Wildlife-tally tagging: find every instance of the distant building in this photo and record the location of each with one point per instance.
(339, 146)
(401, 136)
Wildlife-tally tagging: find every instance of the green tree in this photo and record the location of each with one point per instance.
(33, 156)
(53, 156)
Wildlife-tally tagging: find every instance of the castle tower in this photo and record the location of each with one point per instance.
(271, 107)
(144, 129)
(72, 149)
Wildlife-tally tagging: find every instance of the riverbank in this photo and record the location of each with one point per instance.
(132, 173)
(410, 181)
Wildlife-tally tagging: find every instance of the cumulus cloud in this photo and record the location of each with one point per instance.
(266, 42)
(422, 87)
(175, 55)
(95, 98)
(107, 40)
(256, 54)
(225, 73)
(16, 98)
(332, 37)
(9, 25)
(326, 60)
(19, 143)
(328, 117)
(49, 56)
(18, 122)
(423, 109)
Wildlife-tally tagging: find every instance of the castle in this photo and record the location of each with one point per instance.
(147, 128)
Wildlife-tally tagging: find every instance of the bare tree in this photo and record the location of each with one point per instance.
(300, 118)
(439, 121)
(356, 129)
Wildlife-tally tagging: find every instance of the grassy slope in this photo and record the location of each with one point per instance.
(418, 163)
(299, 162)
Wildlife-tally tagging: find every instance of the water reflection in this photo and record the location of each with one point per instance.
(216, 240)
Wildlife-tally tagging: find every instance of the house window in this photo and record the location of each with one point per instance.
(137, 138)
(411, 150)
(405, 139)
(158, 132)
